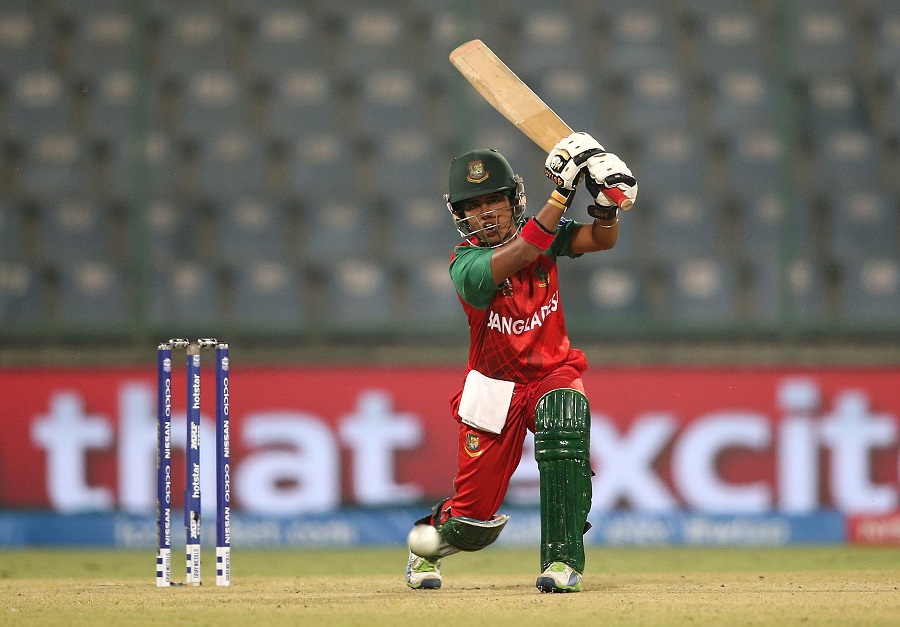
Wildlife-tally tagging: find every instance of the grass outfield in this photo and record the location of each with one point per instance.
(664, 586)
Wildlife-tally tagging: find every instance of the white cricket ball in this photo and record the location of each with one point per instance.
(424, 540)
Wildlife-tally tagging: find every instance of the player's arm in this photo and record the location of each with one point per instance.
(563, 166)
(603, 171)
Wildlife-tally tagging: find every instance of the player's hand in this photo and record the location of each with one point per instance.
(567, 159)
(607, 170)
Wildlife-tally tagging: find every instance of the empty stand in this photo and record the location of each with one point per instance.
(703, 289)
(92, 293)
(185, 292)
(21, 295)
(359, 295)
(268, 292)
(871, 289)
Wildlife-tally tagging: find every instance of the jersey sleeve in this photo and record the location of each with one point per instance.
(562, 243)
(470, 270)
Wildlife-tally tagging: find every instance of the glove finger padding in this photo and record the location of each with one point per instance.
(567, 159)
(608, 170)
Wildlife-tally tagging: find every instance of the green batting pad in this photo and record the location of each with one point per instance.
(563, 453)
(468, 534)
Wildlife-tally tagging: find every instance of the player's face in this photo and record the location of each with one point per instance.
(490, 218)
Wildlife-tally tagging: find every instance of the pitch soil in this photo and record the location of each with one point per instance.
(819, 586)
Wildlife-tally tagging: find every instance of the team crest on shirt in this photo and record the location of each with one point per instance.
(473, 444)
(477, 173)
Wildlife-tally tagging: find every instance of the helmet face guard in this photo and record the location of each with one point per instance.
(479, 173)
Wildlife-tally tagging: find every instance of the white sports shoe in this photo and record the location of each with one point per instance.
(559, 577)
(423, 574)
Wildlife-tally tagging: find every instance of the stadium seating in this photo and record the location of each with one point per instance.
(871, 289)
(358, 295)
(190, 139)
(21, 294)
(92, 293)
(185, 293)
(702, 289)
(72, 230)
(268, 292)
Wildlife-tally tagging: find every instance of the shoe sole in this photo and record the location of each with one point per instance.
(427, 584)
(548, 584)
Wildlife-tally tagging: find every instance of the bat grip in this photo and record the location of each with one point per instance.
(618, 196)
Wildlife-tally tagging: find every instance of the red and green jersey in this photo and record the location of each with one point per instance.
(517, 330)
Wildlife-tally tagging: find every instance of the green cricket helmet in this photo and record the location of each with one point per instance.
(478, 173)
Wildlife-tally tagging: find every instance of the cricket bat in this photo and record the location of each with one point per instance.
(516, 101)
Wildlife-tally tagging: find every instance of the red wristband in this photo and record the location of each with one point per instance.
(535, 235)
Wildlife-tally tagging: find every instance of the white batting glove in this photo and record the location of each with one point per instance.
(565, 162)
(608, 170)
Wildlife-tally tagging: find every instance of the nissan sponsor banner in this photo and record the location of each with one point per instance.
(308, 440)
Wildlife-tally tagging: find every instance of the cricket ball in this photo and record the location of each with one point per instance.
(424, 541)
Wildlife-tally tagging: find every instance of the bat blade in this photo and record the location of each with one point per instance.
(508, 94)
(515, 100)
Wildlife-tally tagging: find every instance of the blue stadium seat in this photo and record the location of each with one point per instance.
(269, 292)
(359, 295)
(39, 101)
(821, 37)
(338, 229)
(765, 226)
(232, 163)
(21, 294)
(102, 39)
(211, 102)
(71, 231)
(54, 166)
(644, 37)
(404, 165)
(654, 100)
(863, 224)
(703, 289)
(111, 113)
(799, 293)
(371, 36)
(892, 106)
(421, 227)
(314, 162)
(390, 100)
(733, 39)
(670, 162)
(832, 103)
(185, 292)
(603, 289)
(302, 103)
(742, 101)
(285, 38)
(685, 226)
(544, 40)
(871, 289)
(157, 165)
(250, 228)
(12, 233)
(754, 163)
(848, 160)
(431, 300)
(574, 96)
(198, 38)
(92, 292)
(171, 230)
(25, 40)
(886, 41)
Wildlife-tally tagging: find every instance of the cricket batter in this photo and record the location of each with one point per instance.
(522, 372)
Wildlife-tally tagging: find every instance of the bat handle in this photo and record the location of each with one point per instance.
(618, 196)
